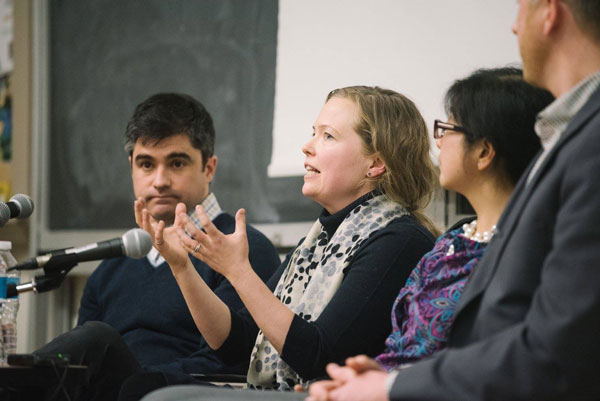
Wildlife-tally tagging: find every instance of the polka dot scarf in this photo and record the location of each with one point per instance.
(312, 277)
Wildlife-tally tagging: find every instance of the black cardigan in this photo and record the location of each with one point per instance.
(357, 318)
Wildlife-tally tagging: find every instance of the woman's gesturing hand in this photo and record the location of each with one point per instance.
(226, 254)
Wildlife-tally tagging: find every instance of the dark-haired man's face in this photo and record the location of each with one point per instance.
(169, 172)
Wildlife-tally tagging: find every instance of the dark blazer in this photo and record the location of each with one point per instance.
(528, 324)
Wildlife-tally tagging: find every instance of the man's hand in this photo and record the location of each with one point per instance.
(367, 386)
(361, 379)
(362, 363)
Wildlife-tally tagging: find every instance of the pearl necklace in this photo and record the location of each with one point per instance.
(470, 232)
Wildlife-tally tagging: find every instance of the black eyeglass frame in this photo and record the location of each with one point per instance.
(439, 128)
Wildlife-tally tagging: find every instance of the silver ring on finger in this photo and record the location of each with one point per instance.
(197, 248)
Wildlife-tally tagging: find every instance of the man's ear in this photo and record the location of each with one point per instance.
(377, 168)
(485, 155)
(210, 167)
(552, 13)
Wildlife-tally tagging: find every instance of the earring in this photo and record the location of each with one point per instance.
(369, 174)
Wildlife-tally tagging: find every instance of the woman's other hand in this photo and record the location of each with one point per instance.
(165, 240)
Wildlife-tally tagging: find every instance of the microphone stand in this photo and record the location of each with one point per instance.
(43, 282)
(61, 264)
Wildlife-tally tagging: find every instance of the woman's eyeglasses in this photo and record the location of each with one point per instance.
(440, 128)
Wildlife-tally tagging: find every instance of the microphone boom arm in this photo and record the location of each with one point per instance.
(62, 263)
(44, 282)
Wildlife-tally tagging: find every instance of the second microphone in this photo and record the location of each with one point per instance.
(135, 243)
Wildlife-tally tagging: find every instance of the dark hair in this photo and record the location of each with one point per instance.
(167, 114)
(587, 15)
(499, 106)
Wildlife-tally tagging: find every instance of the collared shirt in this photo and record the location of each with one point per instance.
(212, 209)
(553, 120)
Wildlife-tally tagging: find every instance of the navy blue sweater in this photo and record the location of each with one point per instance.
(144, 304)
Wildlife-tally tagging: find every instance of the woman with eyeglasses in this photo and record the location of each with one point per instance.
(485, 146)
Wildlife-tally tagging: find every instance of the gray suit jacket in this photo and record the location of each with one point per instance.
(528, 324)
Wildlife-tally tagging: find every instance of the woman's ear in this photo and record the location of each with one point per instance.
(486, 154)
(377, 168)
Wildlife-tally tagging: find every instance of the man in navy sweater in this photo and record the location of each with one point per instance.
(170, 140)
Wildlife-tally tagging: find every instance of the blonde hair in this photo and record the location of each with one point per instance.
(391, 126)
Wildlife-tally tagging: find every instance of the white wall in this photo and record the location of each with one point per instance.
(416, 47)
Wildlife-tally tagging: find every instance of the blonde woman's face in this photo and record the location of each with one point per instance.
(336, 168)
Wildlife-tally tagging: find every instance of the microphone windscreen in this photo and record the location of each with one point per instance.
(136, 243)
(25, 205)
(4, 214)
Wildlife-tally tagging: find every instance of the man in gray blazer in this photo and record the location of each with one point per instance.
(528, 325)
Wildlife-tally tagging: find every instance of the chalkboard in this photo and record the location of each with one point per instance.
(106, 56)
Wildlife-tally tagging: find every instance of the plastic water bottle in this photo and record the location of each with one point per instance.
(10, 306)
(3, 279)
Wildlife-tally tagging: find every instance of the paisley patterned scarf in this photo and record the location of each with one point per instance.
(425, 307)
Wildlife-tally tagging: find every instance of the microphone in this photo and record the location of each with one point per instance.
(19, 206)
(135, 243)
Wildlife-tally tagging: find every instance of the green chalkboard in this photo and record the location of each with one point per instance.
(106, 56)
